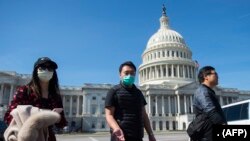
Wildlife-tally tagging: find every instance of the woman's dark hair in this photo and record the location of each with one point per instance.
(204, 72)
(53, 84)
(127, 63)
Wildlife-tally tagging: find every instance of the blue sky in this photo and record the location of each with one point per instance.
(89, 39)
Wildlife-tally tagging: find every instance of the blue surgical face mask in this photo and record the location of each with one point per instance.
(128, 80)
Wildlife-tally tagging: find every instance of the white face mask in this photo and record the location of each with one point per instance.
(44, 75)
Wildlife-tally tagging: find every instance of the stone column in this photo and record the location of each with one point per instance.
(170, 125)
(162, 106)
(143, 76)
(11, 93)
(184, 71)
(185, 104)
(178, 71)
(149, 105)
(99, 105)
(164, 125)
(153, 72)
(71, 105)
(140, 76)
(150, 73)
(156, 106)
(84, 104)
(88, 105)
(188, 71)
(166, 70)
(169, 106)
(156, 72)
(78, 105)
(147, 72)
(178, 104)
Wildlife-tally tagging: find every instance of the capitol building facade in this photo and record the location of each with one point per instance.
(167, 78)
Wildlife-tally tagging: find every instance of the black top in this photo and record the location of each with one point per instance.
(45, 103)
(111, 100)
(128, 103)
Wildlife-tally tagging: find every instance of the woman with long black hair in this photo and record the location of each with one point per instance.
(42, 92)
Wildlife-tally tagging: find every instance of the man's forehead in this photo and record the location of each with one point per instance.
(128, 69)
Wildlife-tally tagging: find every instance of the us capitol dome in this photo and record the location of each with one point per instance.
(167, 59)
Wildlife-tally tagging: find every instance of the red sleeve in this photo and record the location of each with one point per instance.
(20, 98)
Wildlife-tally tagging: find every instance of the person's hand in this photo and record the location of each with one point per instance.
(119, 134)
(151, 137)
(58, 110)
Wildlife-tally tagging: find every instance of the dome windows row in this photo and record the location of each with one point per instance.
(167, 71)
(164, 54)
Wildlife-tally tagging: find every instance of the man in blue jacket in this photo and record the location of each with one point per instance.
(205, 101)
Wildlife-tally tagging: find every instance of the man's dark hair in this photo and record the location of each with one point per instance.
(127, 63)
(204, 72)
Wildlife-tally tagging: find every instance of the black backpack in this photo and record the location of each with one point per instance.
(198, 127)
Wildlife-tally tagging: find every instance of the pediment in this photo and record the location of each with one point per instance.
(190, 86)
(7, 74)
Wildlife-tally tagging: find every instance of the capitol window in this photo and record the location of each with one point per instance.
(93, 125)
(181, 71)
(164, 72)
(169, 71)
(93, 109)
(103, 124)
(175, 74)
